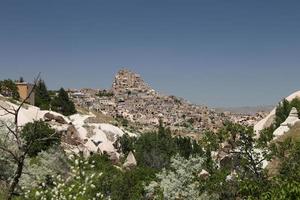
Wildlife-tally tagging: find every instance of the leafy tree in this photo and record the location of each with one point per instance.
(42, 97)
(245, 154)
(62, 104)
(154, 149)
(286, 183)
(187, 146)
(9, 88)
(39, 136)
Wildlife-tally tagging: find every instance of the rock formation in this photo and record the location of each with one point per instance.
(267, 121)
(137, 102)
(130, 162)
(289, 122)
(127, 82)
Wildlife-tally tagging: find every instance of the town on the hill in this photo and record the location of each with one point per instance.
(134, 100)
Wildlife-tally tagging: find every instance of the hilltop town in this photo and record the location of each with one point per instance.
(133, 100)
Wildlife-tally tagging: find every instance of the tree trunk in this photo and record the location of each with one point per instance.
(16, 178)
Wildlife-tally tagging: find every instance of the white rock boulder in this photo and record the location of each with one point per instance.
(289, 122)
(130, 162)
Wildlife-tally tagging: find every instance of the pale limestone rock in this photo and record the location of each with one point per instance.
(204, 174)
(290, 121)
(267, 121)
(130, 162)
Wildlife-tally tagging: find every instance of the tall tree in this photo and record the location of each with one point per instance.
(62, 104)
(42, 97)
(9, 88)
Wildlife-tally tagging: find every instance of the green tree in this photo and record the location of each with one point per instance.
(39, 137)
(9, 88)
(62, 104)
(286, 183)
(42, 97)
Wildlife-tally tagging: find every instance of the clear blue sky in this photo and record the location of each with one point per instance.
(214, 52)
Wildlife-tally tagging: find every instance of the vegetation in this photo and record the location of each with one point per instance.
(283, 110)
(227, 164)
(42, 96)
(62, 104)
(35, 133)
(104, 93)
(9, 88)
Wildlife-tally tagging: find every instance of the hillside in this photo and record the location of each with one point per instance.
(81, 132)
(134, 100)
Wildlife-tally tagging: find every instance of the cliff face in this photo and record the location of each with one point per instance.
(128, 82)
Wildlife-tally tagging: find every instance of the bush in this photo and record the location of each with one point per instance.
(39, 136)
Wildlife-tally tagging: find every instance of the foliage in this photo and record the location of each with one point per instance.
(42, 97)
(104, 93)
(130, 185)
(241, 173)
(155, 149)
(283, 110)
(125, 144)
(80, 185)
(6, 163)
(9, 88)
(44, 165)
(39, 137)
(62, 104)
(180, 181)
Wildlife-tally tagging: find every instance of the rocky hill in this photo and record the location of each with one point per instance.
(127, 82)
(131, 99)
(80, 132)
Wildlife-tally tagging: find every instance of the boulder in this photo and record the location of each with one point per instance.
(60, 119)
(71, 136)
(130, 162)
(204, 174)
(51, 117)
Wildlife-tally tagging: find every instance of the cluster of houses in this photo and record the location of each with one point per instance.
(132, 99)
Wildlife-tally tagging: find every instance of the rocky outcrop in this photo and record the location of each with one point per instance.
(267, 121)
(78, 135)
(57, 118)
(130, 162)
(204, 174)
(127, 82)
(288, 123)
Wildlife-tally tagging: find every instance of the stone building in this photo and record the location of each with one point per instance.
(24, 90)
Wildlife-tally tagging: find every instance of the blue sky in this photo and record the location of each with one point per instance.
(214, 52)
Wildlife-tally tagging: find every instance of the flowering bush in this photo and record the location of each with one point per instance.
(181, 181)
(79, 185)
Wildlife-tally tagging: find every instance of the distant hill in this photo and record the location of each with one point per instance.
(251, 110)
